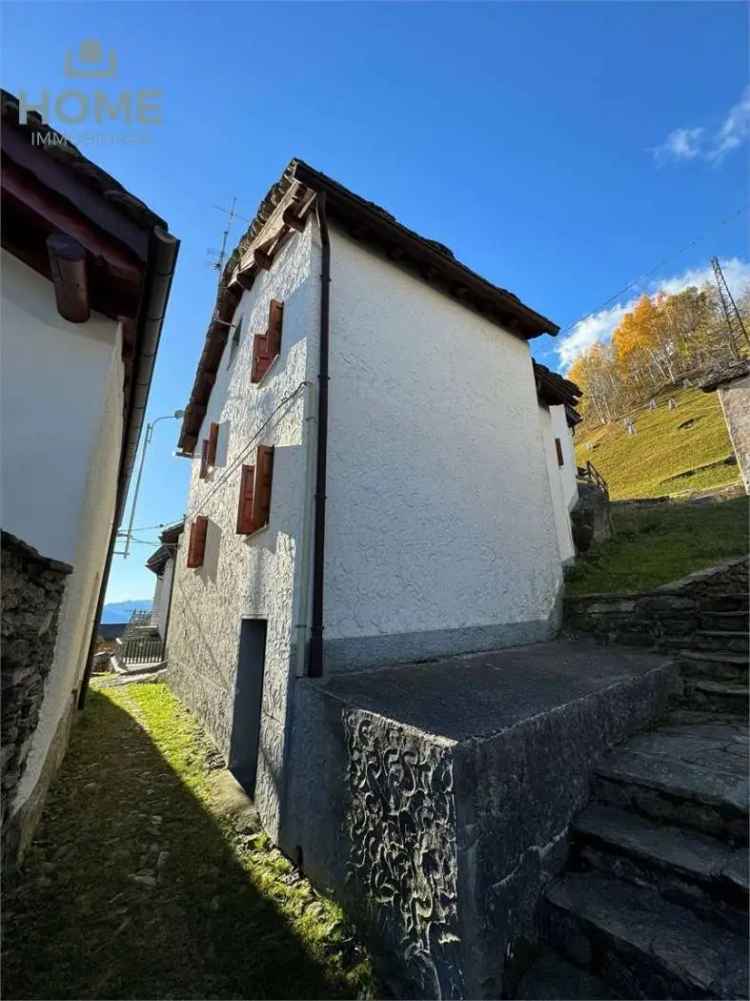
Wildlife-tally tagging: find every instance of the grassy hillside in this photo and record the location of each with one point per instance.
(676, 451)
(661, 543)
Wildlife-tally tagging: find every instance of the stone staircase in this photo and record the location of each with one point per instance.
(654, 902)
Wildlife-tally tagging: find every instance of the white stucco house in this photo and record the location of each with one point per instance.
(374, 471)
(86, 272)
(162, 563)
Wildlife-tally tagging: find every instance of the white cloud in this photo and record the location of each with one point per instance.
(695, 143)
(681, 144)
(735, 130)
(600, 326)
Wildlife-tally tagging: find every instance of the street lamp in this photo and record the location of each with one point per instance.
(177, 415)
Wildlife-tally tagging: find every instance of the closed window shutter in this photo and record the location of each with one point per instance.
(213, 443)
(204, 459)
(197, 544)
(261, 357)
(558, 448)
(266, 347)
(245, 507)
(262, 493)
(275, 319)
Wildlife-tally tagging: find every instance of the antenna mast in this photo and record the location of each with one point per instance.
(735, 326)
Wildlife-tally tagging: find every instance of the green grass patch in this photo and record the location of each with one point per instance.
(227, 915)
(656, 545)
(663, 459)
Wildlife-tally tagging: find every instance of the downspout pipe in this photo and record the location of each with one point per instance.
(318, 574)
(162, 261)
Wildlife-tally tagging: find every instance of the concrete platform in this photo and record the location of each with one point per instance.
(435, 799)
(491, 692)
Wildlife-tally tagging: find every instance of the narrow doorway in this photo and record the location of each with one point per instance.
(248, 698)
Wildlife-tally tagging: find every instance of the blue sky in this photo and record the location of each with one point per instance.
(562, 150)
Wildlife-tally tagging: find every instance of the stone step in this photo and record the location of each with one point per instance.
(716, 696)
(681, 793)
(642, 945)
(735, 641)
(730, 667)
(725, 620)
(735, 602)
(695, 870)
(552, 977)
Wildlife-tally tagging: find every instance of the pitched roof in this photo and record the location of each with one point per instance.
(431, 261)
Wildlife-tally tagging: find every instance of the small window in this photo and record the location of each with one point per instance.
(558, 449)
(235, 341)
(254, 508)
(204, 459)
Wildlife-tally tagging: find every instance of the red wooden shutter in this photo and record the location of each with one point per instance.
(558, 447)
(245, 507)
(275, 319)
(267, 346)
(197, 545)
(262, 496)
(204, 459)
(261, 357)
(213, 442)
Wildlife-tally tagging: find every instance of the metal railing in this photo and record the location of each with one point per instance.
(141, 650)
(591, 474)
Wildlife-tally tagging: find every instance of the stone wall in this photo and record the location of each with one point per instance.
(666, 616)
(32, 593)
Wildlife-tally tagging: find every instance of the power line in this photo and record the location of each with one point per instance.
(667, 260)
(228, 472)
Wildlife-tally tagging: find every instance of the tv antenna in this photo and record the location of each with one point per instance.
(735, 326)
(220, 255)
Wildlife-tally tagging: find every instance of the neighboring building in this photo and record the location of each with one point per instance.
(732, 385)
(411, 513)
(162, 564)
(86, 272)
(557, 401)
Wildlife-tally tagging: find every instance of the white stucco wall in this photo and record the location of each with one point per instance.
(253, 576)
(62, 410)
(160, 607)
(567, 471)
(440, 529)
(53, 382)
(558, 480)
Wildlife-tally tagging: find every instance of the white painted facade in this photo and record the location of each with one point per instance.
(162, 593)
(562, 479)
(440, 529)
(62, 417)
(254, 576)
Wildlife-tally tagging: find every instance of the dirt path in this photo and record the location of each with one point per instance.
(136, 887)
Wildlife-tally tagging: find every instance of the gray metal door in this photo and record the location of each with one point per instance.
(248, 698)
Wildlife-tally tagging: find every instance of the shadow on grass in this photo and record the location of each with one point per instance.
(192, 925)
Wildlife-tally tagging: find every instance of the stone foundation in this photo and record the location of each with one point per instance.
(651, 618)
(32, 593)
(434, 799)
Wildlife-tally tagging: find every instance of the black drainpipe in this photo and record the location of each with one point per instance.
(319, 550)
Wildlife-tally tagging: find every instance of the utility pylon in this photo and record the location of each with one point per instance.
(735, 327)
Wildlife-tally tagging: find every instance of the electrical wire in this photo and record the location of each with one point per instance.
(237, 461)
(667, 260)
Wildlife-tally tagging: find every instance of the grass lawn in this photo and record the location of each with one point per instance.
(211, 914)
(656, 545)
(663, 458)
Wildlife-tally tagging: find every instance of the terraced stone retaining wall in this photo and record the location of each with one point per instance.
(666, 616)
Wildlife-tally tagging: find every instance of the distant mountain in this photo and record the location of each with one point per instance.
(120, 611)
